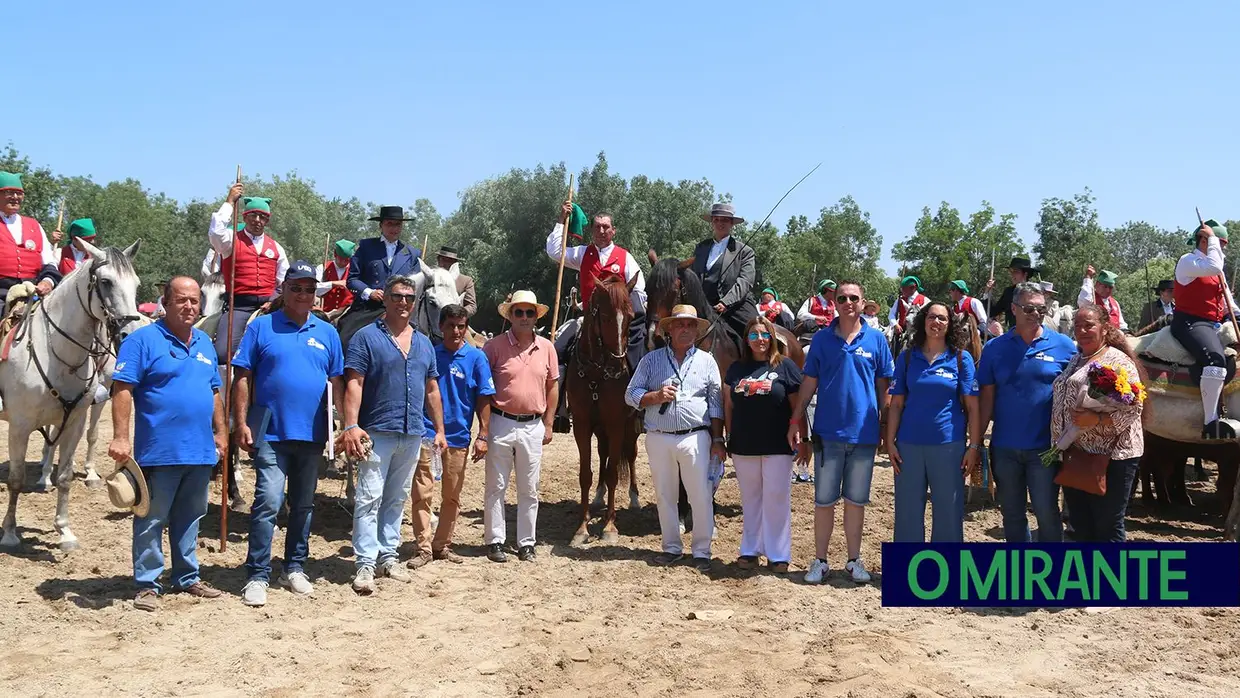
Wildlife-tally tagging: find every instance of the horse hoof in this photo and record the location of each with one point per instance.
(41, 487)
(94, 483)
(238, 504)
(579, 540)
(10, 543)
(67, 546)
(611, 537)
(634, 502)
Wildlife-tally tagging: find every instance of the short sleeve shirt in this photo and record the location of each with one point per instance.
(521, 376)
(1023, 376)
(761, 406)
(174, 388)
(394, 384)
(463, 376)
(291, 365)
(933, 408)
(847, 403)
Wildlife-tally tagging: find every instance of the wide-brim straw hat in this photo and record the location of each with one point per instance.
(127, 488)
(522, 298)
(684, 312)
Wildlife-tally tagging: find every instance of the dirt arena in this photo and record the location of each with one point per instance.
(593, 622)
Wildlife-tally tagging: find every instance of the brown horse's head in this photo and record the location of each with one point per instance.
(607, 320)
(671, 283)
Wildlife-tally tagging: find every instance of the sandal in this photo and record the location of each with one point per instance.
(747, 562)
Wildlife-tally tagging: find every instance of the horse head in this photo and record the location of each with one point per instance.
(610, 312)
(111, 292)
(436, 289)
(672, 283)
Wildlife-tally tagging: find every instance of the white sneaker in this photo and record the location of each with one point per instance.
(297, 582)
(254, 593)
(817, 571)
(364, 581)
(857, 570)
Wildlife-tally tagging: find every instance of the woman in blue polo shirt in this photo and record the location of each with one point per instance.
(934, 381)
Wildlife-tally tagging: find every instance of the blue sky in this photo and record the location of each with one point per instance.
(906, 104)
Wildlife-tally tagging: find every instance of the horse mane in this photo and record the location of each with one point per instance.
(616, 294)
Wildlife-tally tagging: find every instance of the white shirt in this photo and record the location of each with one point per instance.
(1086, 297)
(1168, 308)
(14, 224)
(804, 315)
(221, 237)
(979, 311)
(391, 250)
(573, 256)
(324, 286)
(716, 251)
(210, 264)
(1197, 264)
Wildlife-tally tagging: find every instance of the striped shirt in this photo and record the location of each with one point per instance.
(698, 395)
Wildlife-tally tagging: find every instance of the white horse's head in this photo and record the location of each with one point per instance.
(436, 288)
(107, 287)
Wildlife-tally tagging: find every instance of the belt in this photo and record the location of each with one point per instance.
(517, 417)
(682, 432)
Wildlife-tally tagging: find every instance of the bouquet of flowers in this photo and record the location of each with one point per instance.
(1107, 388)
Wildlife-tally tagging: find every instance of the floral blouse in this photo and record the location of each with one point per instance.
(1123, 438)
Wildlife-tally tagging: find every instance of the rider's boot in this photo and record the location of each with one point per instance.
(1212, 380)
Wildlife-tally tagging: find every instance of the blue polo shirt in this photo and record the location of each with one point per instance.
(394, 385)
(933, 409)
(463, 376)
(174, 388)
(847, 409)
(291, 364)
(1022, 375)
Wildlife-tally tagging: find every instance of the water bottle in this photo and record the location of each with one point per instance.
(436, 459)
(715, 473)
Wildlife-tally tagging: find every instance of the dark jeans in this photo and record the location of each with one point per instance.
(1018, 472)
(297, 463)
(1100, 518)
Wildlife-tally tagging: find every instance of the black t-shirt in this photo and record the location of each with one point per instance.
(761, 406)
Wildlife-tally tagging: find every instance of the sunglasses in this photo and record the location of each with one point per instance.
(1033, 309)
(402, 297)
(847, 298)
(518, 312)
(301, 289)
(755, 336)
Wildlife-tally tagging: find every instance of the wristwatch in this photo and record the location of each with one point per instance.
(975, 447)
(718, 440)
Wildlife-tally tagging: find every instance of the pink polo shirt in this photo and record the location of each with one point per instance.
(521, 376)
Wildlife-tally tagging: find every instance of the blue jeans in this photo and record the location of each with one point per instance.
(1100, 518)
(842, 470)
(277, 462)
(178, 501)
(938, 467)
(382, 489)
(1018, 471)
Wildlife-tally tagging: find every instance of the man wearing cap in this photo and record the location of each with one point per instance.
(910, 297)
(774, 309)
(727, 269)
(1162, 306)
(291, 357)
(73, 253)
(259, 260)
(447, 257)
(1019, 269)
(25, 252)
(1100, 291)
(373, 262)
(680, 391)
(1051, 319)
(334, 277)
(818, 311)
(526, 373)
(1201, 305)
(167, 372)
(963, 304)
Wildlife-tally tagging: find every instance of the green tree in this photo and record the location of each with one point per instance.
(944, 247)
(1069, 238)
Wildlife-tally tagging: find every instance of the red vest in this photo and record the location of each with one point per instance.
(256, 269)
(772, 310)
(67, 261)
(1202, 297)
(902, 306)
(1112, 307)
(818, 308)
(592, 269)
(338, 296)
(21, 261)
(966, 306)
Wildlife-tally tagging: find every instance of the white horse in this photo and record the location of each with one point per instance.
(55, 365)
(97, 406)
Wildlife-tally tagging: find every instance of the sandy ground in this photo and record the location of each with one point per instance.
(598, 621)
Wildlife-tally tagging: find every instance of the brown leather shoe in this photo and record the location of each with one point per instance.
(447, 555)
(146, 600)
(422, 559)
(202, 590)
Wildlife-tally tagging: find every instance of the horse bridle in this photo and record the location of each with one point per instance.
(613, 366)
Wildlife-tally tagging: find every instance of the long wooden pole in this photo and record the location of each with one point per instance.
(1222, 277)
(228, 376)
(60, 215)
(559, 279)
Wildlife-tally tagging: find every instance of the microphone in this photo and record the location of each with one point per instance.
(664, 406)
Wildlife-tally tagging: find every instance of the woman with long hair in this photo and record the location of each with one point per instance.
(934, 380)
(759, 394)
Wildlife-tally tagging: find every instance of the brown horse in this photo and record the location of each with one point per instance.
(598, 376)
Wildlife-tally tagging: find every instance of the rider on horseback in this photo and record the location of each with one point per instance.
(964, 304)
(727, 269)
(334, 276)
(25, 253)
(1201, 304)
(73, 253)
(774, 309)
(816, 312)
(910, 297)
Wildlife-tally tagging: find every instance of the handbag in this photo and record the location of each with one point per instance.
(1084, 471)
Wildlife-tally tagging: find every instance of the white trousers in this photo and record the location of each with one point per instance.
(682, 458)
(766, 505)
(512, 445)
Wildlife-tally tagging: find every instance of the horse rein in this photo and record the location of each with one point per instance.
(586, 364)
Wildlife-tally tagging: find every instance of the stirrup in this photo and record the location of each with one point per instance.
(1222, 428)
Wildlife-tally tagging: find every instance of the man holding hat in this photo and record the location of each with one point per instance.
(373, 262)
(73, 253)
(727, 269)
(447, 258)
(774, 310)
(1100, 291)
(680, 391)
(910, 297)
(1019, 269)
(963, 304)
(25, 252)
(1160, 307)
(526, 373)
(334, 277)
(167, 372)
(291, 357)
(260, 263)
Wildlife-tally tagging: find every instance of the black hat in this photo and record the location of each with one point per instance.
(449, 252)
(1164, 285)
(300, 269)
(1023, 264)
(390, 213)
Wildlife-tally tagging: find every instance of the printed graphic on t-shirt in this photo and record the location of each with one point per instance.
(756, 386)
(316, 344)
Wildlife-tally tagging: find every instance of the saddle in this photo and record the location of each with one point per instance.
(1162, 347)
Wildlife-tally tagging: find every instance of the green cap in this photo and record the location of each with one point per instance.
(255, 203)
(826, 283)
(911, 280)
(10, 180)
(1107, 277)
(771, 291)
(82, 228)
(577, 222)
(345, 248)
(1220, 231)
(961, 286)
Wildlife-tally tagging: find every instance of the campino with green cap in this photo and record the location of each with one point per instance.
(826, 284)
(11, 180)
(961, 286)
(83, 228)
(1107, 278)
(771, 291)
(345, 248)
(911, 280)
(1220, 232)
(255, 204)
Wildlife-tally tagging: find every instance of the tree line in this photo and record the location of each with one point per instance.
(501, 224)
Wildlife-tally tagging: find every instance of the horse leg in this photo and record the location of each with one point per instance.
(19, 439)
(601, 489)
(236, 502)
(682, 509)
(92, 440)
(44, 483)
(628, 459)
(611, 473)
(1177, 486)
(68, 441)
(581, 433)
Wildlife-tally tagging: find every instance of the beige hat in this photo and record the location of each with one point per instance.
(522, 298)
(127, 488)
(684, 312)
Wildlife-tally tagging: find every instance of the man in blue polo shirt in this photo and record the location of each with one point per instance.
(848, 367)
(167, 371)
(290, 356)
(1016, 374)
(465, 385)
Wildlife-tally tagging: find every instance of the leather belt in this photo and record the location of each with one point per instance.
(517, 417)
(682, 432)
